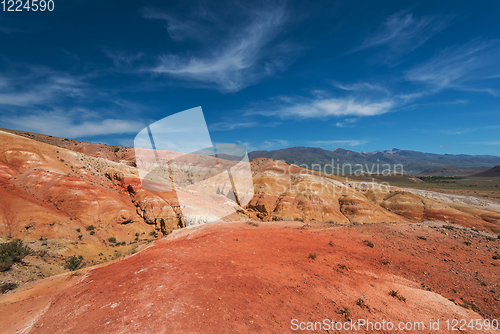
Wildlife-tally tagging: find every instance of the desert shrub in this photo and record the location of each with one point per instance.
(471, 305)
(361, 303)
(345, 312)
(116, 149)
(331, 243)
(397, 295)
(449, 227)
(92, 232)
(12, 252)
(7, 286)
(80, 237)
(42, 253)
(112, 239)
(369, 243)
(90, 228)
(73, 263)
(343, 267)
(385, 262)
(78, 230)
(253, 224)
(312, 256)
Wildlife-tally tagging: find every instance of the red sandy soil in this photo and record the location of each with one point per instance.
(235, 277)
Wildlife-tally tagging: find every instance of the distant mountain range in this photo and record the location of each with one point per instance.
(412, 162)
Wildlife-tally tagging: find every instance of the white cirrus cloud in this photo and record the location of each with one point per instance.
(474, 66)
(346, 123)
(242, 57)
(403, 32)
(68, 123)
(40, 86)
(336, 143)
(325, 107)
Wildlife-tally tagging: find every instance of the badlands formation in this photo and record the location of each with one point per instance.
(307, 247)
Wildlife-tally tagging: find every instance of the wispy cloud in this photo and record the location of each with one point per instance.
(229, 125)
(240, 59)
(337, 143)
(122, 59)
(39, 86)
(180, 29)
(347, 123)
(286, 107)
(462, 131)
(266, 145)
(472, 66)
(361, 86)
(69, 123)
(403, 32)
(489, 143)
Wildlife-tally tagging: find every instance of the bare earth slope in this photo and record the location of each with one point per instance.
(234, 277)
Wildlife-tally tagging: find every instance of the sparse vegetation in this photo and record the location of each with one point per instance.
(78, 230)
(116, 149)
(331, 243)
(397, 295)
(449, 227)
(361, 303)
(80, 237)
(12, 252)
(471, 305)
(253, 224)
(344, 311)
(343, 266)
(7, 287)
(369, 243)
(385, 262)
(312, 256)
(90, 228)
(92, 232)
(117, 255)
(73, 263)
(112, 239)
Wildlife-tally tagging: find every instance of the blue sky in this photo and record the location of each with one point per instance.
(422, 75)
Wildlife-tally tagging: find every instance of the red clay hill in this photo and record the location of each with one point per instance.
(308, 246)
(240, 277)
